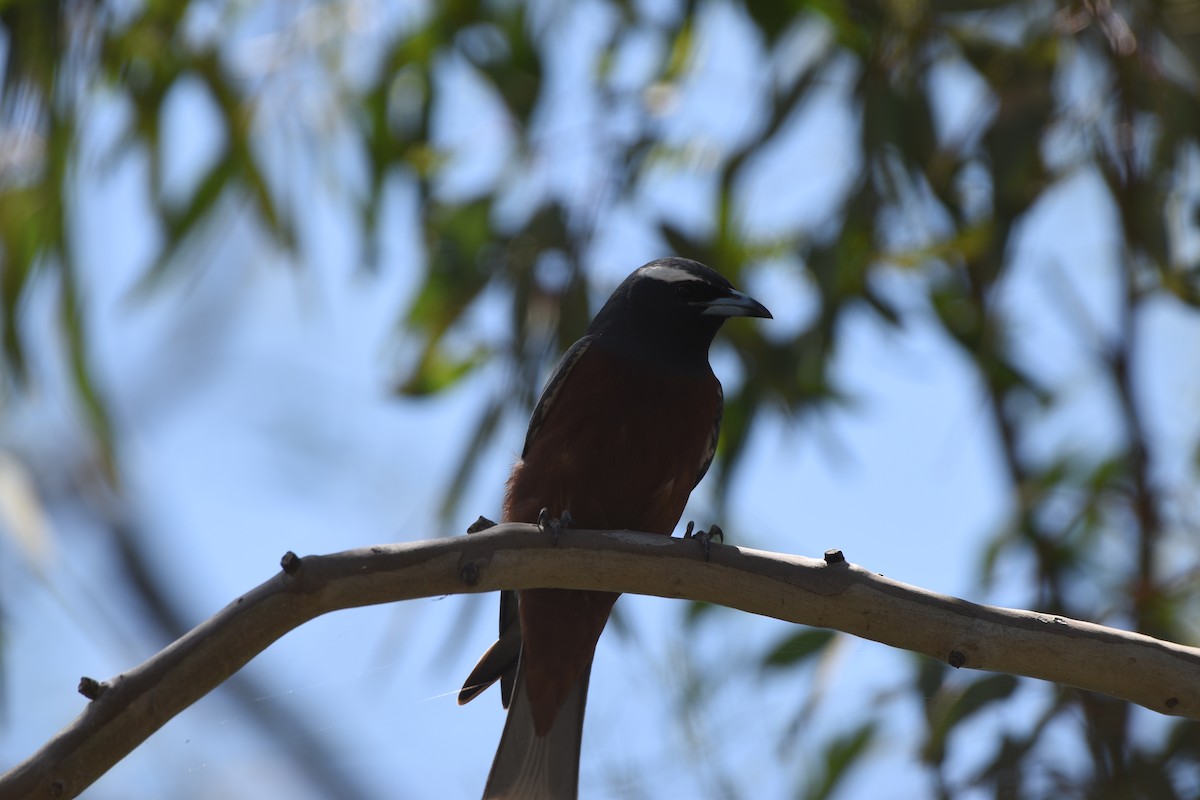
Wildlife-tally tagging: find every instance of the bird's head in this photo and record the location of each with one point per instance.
(669, 311)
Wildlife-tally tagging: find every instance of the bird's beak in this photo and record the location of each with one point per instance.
(737, 304)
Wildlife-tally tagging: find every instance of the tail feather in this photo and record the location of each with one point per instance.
(532, 767)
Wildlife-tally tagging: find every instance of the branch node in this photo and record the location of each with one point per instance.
(91, 688)
(481, 524)
(469, 574)
(957, 659)
(1172, 702)
(290, 563)
(58, 789)
(834, 556)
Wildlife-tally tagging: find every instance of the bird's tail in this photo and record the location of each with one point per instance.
(532, 767)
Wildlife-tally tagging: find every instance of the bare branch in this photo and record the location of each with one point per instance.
(1159, 675)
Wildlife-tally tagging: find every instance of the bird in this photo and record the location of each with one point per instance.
(623, 431)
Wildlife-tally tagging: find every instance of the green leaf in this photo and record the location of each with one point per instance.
(954, 704)
(797, 648)
(774, 16)
(840, 755)
(697, 611)
(439, 371)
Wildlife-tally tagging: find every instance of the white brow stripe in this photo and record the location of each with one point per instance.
(669, 274)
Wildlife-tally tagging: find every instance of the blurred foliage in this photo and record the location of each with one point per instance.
(522, 237)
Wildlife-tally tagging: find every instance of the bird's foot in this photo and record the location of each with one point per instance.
(705, 537)
(481, 524)
(555, 525)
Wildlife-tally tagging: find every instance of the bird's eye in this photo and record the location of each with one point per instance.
(687, 291)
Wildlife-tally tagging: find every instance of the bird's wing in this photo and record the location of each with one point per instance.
(499, 663)
(500, 660)
(553, 387)
(711, 450)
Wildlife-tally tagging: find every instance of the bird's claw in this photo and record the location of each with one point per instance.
(555, 525)
(705, 537)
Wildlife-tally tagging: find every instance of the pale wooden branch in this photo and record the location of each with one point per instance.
(127, 709)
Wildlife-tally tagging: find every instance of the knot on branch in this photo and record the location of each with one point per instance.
(91, 688)
(469, 573)
(481, 524)
(290, 563)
